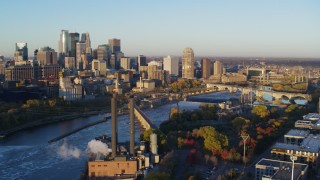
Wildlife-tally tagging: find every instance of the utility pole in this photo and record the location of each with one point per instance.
(293, 158)
(244, 137)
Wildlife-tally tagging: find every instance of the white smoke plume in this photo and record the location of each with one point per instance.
(95, 146)
(67, 151)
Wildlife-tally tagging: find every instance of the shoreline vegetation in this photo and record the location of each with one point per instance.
(18, 116)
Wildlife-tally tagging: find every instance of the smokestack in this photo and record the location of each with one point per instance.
(131, 104)
(114, 126)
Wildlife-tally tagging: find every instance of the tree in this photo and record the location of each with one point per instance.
(260, 111)
(239, 122)
(213, 140)
(174, 114)
(52, 102)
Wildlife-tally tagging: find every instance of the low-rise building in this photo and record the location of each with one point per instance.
(269, 169)
(233, 77)
(101, 168)
(145, 85)
(307, 151)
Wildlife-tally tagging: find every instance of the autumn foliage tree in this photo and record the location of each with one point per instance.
(260, 112)
(213, 140)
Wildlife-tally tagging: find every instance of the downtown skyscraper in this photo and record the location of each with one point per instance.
(21, 52)
(171, 64)
(188, 63)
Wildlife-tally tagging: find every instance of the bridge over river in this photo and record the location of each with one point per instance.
(260, 93)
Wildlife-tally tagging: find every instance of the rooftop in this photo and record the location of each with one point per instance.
(298, 133)
(309, 144)
(284, 168)
(312, 116)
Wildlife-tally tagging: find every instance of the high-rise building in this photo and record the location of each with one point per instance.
(115, 45)
(70, 62)
(171, 64)
(103, 52)
(218, 68)
(74, 38)
(64, 43)
(99, 67)
(81, 48)
(85, 38)
(125, 63)
(46, 56)
(188, 63)
(141, 61)
(206, 66)
(21, 52)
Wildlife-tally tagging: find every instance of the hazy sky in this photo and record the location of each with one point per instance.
(289, 28)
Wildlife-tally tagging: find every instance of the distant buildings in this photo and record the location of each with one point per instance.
(85, 38)
(206, 66)
(21, 52)
(74, 38)
(141, 61)
(188, 63)
(103, 52)
(99, 67)
(22, 72)
(171, 64)
(218, 68)
(64, 44)
(46, 56)
(115, 45)
(81, 49)
(125, 63)
(233, 78)
(70, 62)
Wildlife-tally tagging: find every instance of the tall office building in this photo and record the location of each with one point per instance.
(74, 38)
(115, 45)
(69, 62)
(206, 66)
(171, 64)
(46, 56)
(125, 63)
(85, 38)
(188, 63)
(218, 68)
(103, 52)
(21, 52)
(141, 61)
(64, 43)
(80, 49)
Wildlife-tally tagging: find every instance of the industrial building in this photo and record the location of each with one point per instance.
(120, 163)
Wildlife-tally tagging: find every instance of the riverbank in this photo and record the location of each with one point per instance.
(49, 120)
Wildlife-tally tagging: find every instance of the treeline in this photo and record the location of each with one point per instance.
(187, 120)
(13, 115)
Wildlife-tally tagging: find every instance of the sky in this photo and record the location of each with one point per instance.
(264, 28)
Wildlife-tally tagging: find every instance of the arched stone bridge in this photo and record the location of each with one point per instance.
(260, 93)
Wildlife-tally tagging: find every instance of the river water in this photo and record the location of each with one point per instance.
(27, 155)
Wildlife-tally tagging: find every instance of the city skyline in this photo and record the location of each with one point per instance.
(246, 28)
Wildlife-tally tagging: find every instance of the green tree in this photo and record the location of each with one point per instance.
(260, 111)
(213, 140)
(239, 122)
